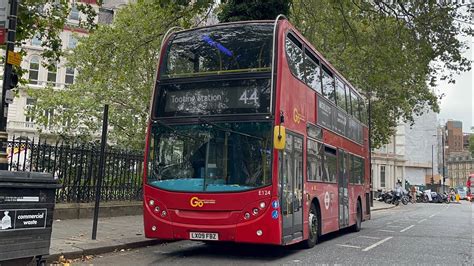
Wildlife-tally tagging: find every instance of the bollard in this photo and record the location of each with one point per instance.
(457, 198)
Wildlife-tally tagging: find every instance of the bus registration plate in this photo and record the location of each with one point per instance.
(203, 236)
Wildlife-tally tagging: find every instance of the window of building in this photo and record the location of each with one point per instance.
(328, 85)
(49, 114)
(315, 155)
(312, 71)
(69, 79)
(30, 104)
(72, 42)
(36, 40)
(33, 72)
(341, 95)
(294, 52)
(382, 175)
(330, 165)
(74, 14)
(52, 73)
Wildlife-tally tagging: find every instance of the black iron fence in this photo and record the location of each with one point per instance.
(76, 166)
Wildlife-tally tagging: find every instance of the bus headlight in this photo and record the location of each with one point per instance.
(151, 202)
(255, 211)
(262, 205)
(259, 232)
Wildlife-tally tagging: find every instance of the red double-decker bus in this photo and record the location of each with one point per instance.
(470, 187)
(253, 137)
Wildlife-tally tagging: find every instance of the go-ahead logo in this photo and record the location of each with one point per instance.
(197, 202)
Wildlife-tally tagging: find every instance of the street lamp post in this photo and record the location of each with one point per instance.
(442, 158)
(432, 164)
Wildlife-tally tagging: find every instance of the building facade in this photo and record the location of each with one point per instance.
(459, 165)
(411, 155)
(454, 137)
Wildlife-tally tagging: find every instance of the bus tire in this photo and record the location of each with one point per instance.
(313, 228)
(356, 227)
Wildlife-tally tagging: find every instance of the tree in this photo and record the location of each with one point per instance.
(46, 20)
(238, 10)
(393, 53)
(116, 65)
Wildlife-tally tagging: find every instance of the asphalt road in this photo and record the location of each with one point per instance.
(413, 234)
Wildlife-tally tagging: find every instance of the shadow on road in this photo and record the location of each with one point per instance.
(198, 251)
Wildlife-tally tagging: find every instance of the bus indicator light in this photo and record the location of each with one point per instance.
(275, 214)
(275, 204)
(262, 205)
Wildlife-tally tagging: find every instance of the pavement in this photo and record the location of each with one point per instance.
(73, 238)
(378, 205)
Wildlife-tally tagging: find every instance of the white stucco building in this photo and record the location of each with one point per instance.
(411, 155)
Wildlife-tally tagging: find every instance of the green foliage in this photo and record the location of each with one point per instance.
(47, 20)
(391, 53)
(117, 66)
(239, 10)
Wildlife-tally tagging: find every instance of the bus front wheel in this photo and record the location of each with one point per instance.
(313, 226)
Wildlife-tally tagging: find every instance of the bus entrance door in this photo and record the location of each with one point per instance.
(291, 169)
(343, 183)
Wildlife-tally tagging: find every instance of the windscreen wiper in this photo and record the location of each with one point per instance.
(228, 129)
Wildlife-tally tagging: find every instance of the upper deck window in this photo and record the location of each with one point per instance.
(328, 85)
(294, 53)
(313, 71)
(219, 50)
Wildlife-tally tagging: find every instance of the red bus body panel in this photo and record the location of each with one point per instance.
(223, 213)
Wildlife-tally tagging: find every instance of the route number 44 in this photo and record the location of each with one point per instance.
(248, 96)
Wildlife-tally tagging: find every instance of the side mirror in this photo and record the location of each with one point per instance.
(279, 137)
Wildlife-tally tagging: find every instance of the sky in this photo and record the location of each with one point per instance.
(458, 102)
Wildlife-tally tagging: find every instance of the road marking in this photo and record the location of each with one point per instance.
(347, 246)
(376, 244)
(396, 226)
(421, 221)
(370, 237)
(389, 231)
(403, 230)
(432, 215)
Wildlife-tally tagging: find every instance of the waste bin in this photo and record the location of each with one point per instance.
(26, 215)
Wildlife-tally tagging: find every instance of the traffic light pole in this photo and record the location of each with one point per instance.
(7, 74)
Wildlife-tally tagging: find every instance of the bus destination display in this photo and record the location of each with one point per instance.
(209, 98)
